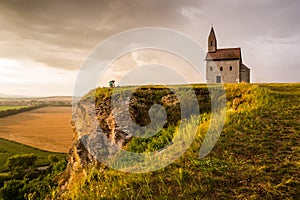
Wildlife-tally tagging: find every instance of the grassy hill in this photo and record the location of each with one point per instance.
(256, 157)
(9, 148)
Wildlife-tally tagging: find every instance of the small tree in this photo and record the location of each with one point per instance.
(19, 163)
(12, 189)
(53, 158)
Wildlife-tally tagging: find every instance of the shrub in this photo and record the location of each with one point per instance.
(21, 162)
(3, 178)
(53, 158)
(12, 189)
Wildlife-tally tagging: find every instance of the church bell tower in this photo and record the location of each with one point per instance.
(212, 41)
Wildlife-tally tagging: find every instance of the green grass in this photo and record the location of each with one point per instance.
(4, 108)
(9, 148)
(256, 157)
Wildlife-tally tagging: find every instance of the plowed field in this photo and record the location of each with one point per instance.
(47, 128)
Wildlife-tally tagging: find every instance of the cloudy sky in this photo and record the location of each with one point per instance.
(44, 43)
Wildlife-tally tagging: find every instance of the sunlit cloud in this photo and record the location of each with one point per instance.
(28, 78)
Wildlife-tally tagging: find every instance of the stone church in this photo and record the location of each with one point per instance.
(224, 65)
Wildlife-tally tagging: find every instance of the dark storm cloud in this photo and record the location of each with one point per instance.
(254, 18)
(61, 33)
(51, 32)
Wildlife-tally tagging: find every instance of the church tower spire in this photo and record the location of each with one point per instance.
(212, 41)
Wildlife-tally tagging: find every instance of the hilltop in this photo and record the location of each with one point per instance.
(256, 157)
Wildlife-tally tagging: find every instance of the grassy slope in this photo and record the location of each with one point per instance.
(256, 157)
(9, 148)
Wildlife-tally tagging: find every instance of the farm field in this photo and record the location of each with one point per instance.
(4, 108)
(46, 128)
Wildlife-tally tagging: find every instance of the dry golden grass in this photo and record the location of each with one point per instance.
(45, 128)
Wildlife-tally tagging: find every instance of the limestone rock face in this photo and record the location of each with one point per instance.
(104, 121)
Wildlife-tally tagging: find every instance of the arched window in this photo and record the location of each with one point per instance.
(221, 68)
(218, 79)
(211, 68)
(230, 68)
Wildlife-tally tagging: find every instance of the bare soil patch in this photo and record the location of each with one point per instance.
(47, 128)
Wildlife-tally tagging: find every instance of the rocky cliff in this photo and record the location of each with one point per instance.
(106, 119)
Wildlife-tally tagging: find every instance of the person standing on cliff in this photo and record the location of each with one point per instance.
(112, 83)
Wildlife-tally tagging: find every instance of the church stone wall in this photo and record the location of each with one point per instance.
(245, 75)
(227, 75)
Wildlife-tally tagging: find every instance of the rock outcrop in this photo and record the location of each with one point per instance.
(105, 120)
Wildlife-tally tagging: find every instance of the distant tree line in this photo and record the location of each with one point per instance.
(18, 103)
(9, 112)
(35, 103)
(31, 105)
(57, 103)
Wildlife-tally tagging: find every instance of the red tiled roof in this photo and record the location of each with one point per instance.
(225, 54)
